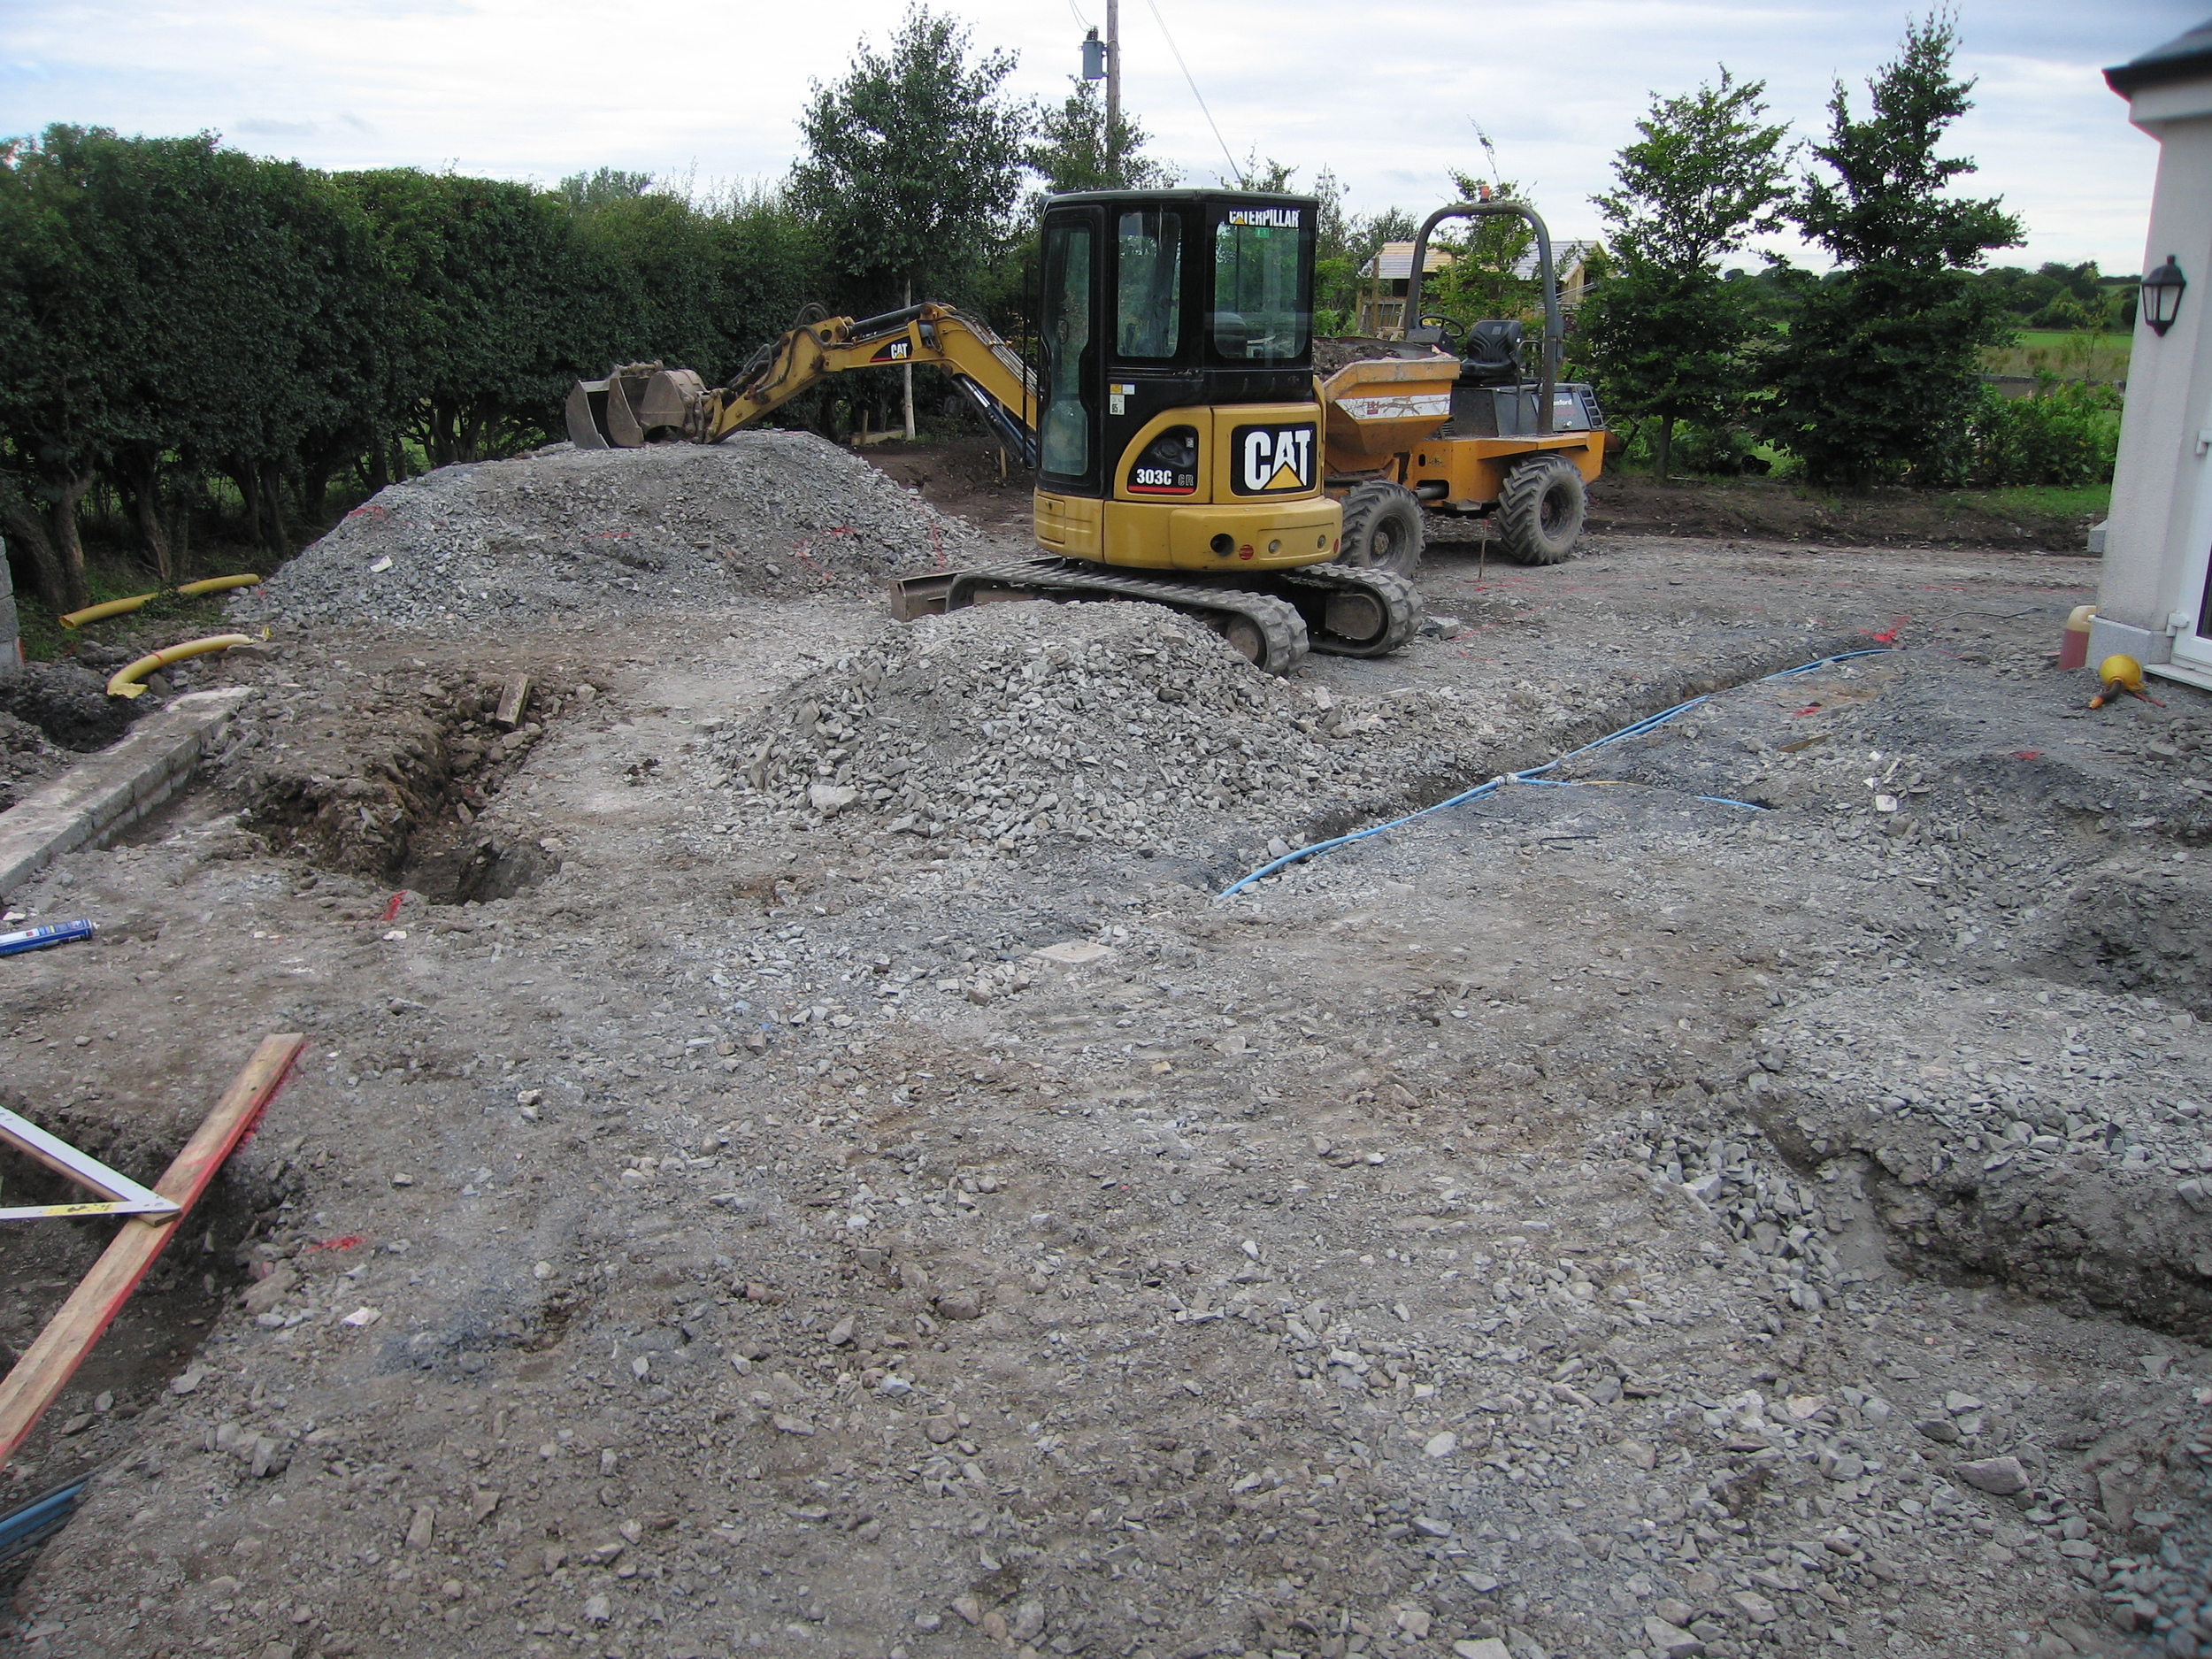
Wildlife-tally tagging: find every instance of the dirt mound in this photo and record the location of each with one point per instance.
(69, 705)
(1006, 725)
(1772, 510)
(583, 533)
(27, 759)
(1331, 352)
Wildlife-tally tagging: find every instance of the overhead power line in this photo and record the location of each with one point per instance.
(1235, 171)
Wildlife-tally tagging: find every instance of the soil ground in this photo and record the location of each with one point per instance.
(1593, 1221)
(960, 475)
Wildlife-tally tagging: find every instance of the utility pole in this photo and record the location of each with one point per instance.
(1113, 89)
(906, 372)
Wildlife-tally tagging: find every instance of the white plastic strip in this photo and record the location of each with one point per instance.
(125, 1196)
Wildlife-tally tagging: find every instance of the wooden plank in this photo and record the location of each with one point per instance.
(50, 1361)
(513, 698)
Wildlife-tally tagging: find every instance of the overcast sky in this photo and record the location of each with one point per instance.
(1386, 92)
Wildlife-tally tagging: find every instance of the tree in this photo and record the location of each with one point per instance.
(1880, 370)
(1072, 151)
(61, 351)
(912, 162)
(587, 192)
(771, 267)
(1669, 339)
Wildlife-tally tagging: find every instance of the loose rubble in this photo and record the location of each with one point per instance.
(1002, 727)
(66, 701)
(27, 759)
(564, 535)
(771, 1231)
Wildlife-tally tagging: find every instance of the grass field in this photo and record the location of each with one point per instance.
(2071, 356)
(2047, 501)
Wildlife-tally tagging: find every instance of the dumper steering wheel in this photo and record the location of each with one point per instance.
(1453, 333)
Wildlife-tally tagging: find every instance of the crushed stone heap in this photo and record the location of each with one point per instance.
(569, 532)
(1006, 724)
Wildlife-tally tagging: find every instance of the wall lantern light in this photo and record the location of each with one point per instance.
(2161, 300)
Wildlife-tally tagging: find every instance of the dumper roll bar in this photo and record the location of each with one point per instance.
(1554, 335)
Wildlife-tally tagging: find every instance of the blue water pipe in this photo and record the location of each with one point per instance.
(1532, 775)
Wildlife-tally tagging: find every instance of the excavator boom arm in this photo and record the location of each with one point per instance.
(985, 368)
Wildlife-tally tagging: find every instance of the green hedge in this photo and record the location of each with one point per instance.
(2066, 434)
(180, 321)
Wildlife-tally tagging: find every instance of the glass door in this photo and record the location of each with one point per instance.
(1068, 437)
(2192, 640)
(2193, 645)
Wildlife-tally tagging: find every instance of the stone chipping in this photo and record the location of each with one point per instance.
(1006, 726)
(1480, 1242)
(562, 533)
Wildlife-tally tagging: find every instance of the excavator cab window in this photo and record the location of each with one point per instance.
(1153, 301)
(1069, 347)
(1263, 310)
(1148, 283)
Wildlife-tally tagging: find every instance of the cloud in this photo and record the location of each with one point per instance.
(259, 128)
(1385, 93)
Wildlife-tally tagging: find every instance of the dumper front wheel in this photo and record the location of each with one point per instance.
(1540, 512)
(1382, 529)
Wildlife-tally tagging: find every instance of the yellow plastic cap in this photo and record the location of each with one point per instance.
(2121, 670)
(2078, 619)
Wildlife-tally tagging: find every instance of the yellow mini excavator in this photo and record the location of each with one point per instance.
(1173, 423)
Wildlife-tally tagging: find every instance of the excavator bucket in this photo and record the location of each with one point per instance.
(587, 410)
(671, 408)
(636, 405)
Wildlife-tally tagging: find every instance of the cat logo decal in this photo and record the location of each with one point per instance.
(1273, 459)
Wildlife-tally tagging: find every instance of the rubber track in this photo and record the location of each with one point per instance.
(1281, 627)
(1402, 610)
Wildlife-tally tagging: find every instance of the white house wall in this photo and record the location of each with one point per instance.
(2160, 510)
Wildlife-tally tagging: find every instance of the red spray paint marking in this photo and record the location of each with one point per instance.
(2027, 754)
(392, 909)
(345, 1243)
(1890, 638)
(370, 511)
(798, 551)
(1810, 708)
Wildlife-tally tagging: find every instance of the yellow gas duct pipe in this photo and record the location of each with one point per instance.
(124, 681)
(124, 607)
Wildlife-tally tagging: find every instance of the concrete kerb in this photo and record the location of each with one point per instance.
(112, 789)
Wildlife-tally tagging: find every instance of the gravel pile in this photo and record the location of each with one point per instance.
(564, 532)
(1003, 726)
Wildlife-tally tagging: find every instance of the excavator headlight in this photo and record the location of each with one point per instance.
(1177, 447)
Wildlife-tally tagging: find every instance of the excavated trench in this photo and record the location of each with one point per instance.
(1434, 784)
(154, 1337)
(394, 794)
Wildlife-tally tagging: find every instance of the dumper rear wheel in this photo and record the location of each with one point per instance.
(1382, 529)
(1541, 511)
